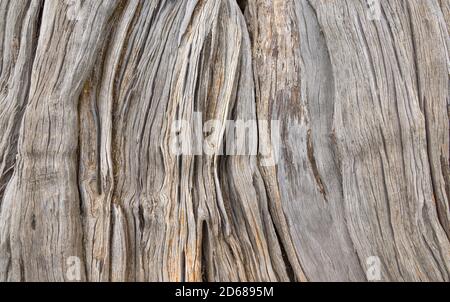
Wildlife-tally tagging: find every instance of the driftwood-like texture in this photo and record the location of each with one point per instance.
(90, 92)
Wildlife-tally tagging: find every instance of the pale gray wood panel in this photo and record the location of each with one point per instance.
(89, 94)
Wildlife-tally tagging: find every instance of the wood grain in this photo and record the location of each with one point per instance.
(90, 92)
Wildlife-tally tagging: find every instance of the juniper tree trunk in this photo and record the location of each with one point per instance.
(359, 92)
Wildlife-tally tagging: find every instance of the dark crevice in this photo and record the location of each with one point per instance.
(289, 269)
(22, 270)
(314, 167)
(204, 264)
(5, 178)
(183, 266)
(275, 221)
(98, 125)
(141, 218)
(33, 222)
(81, 209)
(242, 5)
(110, 240)
(39, 21)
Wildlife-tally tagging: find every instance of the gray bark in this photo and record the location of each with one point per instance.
(90, 91)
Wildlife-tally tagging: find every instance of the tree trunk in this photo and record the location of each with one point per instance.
(348, 167)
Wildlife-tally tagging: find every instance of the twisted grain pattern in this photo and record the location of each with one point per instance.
(87, 106)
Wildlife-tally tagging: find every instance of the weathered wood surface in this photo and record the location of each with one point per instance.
(90, 91)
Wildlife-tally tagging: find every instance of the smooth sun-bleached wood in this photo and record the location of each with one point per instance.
(88, 103)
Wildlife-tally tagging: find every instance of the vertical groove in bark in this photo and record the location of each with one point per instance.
(90, 96)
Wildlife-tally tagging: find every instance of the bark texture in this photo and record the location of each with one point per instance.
(89, 94)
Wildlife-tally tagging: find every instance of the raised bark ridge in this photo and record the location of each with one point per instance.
(90, 91)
